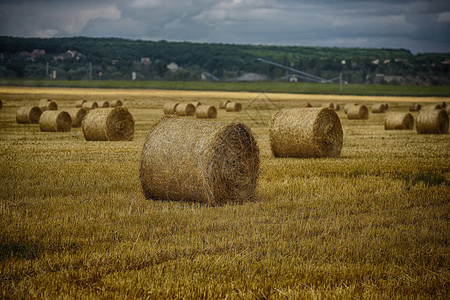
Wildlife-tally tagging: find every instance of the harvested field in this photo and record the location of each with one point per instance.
(75, 222)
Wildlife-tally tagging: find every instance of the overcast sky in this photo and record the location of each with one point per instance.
(420, 26)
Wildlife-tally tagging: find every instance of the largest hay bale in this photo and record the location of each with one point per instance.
(191, 160)
(47, 104)
(432, 121)
(55, 121)
(108, 124)
(399, 121)
(77, 115)
(28, 115)
(357, 112)
(306, 132)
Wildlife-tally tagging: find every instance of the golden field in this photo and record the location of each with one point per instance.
(74, 222)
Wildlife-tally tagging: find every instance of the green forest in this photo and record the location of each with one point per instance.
(81, 58)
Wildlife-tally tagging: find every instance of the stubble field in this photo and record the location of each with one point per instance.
(74, 222)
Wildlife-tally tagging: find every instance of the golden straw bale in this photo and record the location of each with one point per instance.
(442, 105)
(77, 115)
(357, 112)
(185, 109)
(169, 108)
(103, 104)
(55, 121)
(306, 132)
(28, 115)
(79, 103)
(337, 107)
(398, 121)
(223, 104)
(200, 161)
(233, 106)
(436, 106)
(47, 104)
(108, 124)
(432, 121)
(206, 111)
(378, 108)
(348, 105)
(328, 105)
(196, 103)
(90, 104)
(116, 103)
(415, 107)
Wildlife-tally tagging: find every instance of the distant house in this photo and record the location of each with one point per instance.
(31, 56)
(145, 61)
(173, 67)
(69, 54)
(376, 62)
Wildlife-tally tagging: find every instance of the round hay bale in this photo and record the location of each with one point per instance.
(206, 111)
(28, 115)
(233, 106)
(169, 108)
(207, 162)
(90, 105)
(348, 105)
(223, 104)
(432, 121)
(47, 104)
(337, 107)
(185, 109)
(328, 105)
(103, 104)
(116, 103)
(79, 103)
(55, 121)
(378, 108)
(196, 103)
(415, 107)
(357, 112)
(108, 124)
(306, 132)
(442, 105)
(77, 115)
(399, 121)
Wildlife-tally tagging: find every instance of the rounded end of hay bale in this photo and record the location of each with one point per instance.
(108, 124)
(206, 111)
(90, 105)
(116, 103)
(55, 121)
(328, 105)
(306, 132)
(357, 112)
(169, 108)
(399, 121)
(47, 104)
(103, 104)
(199, 161)
(77, 115)
(1, 104)
(432, 121)
(233, 106)
(28, 115)
(223, 104)
(415, 107)
(378, 108)
(185, 109)
(196, 103)
(79, 103)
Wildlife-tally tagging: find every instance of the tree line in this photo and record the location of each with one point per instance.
(116, 58)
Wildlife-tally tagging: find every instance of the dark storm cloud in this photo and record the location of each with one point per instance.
(416, 25)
